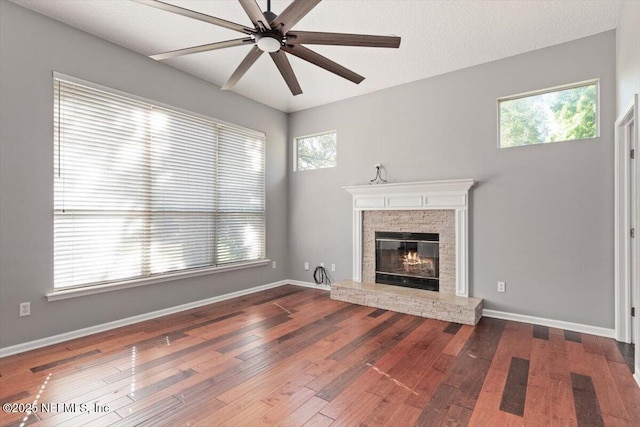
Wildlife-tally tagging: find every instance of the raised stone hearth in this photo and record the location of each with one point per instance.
(418, 302)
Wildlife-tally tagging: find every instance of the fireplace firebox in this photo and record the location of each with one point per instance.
(408, 259)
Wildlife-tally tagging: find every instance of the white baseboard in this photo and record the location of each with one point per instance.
(309, 285)
(67, 336)
(560, 324)
(636, 377)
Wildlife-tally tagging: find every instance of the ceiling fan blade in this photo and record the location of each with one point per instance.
(246, 63)
(201, 48)
(323, 62)
(293, 13)
(341, 39)
(255, 14)
(285, 69)
(197, 15)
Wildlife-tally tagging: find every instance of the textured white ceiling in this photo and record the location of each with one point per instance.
(437, 37)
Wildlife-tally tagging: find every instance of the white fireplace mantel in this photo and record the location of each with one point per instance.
(426, 195)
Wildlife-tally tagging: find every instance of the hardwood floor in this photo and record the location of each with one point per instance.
(291, 356)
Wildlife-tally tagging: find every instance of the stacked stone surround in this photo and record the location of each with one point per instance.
(418, 302)
(443, 305)
(414, 221)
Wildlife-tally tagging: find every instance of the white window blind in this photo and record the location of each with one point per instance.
(142, 190)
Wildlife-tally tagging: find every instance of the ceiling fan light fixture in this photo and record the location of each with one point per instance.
(271, 33)
(267, 42)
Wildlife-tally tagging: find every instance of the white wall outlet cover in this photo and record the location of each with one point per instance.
(273, 264)
(502, 287)
(25, 309)
(306, 265)
(333, 267)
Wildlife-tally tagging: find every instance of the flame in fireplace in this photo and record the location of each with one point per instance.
(415, 264)
(412, 258)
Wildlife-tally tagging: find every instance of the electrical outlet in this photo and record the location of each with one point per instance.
(25, 309)
(306, 265)
(322, 264)
(333, 267)
(273, 264)
(502, 287)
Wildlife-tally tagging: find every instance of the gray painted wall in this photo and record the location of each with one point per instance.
(627, 54)
(541, 216)
(32, 47)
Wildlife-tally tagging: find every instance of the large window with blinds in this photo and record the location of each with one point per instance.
(144, 190)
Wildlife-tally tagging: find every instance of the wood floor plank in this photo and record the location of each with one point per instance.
(247, 417)
(572, 336)
(591, 344)
(627, 388)
(586, 402)
(513, 343)
(351, 394)
(291, 356)
(453, 328)
(50, 365)
(358, 411)
(377, 313)
(428, 383)
(307, 414)
(536, 407)
(346, 350)
(610, 349)
(284, 407)
(515, 390)
(475, 360)
(562, 403)
(557, 357)
(150, 389)
(436, 410)
(331, 390)
(266, 381)
(130, 418)
(405, 415)
(410, 369)
(487, 410)
(457, 416)
(384, 410)
(608, 397)
(318, 420)
(541, 332)
(577, 358)
(457, 343)
(627, 351)
(425, 333)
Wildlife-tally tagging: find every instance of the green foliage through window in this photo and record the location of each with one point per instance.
(560, 115)
(316, 151)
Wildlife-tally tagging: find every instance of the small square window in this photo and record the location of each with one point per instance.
(550, 115)
(316, 151)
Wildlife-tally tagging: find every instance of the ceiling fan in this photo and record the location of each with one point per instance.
(272, 33)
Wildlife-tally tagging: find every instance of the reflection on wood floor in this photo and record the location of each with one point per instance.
(291, 356)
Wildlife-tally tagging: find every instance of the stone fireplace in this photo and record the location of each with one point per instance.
(435, 282)
(440, 222)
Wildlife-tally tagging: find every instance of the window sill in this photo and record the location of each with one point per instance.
(98, 289)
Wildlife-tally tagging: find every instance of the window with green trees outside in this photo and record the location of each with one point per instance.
(316, 151)
(560, 114)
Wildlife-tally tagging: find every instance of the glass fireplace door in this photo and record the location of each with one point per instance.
(408, 259)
